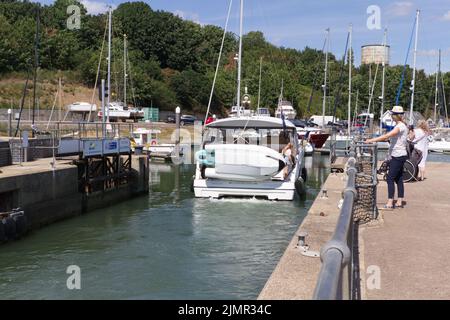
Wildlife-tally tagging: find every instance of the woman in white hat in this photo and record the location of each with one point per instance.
(397, 155)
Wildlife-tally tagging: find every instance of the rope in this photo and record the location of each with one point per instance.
(316, 76)
(218, 63)
(341, 75)
(400, 87)
(53, 108)
(98, 73)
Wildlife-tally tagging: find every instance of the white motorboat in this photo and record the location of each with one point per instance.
(82, 107)
(117, 112)
(148, 140)
(439, 144)
(241, 157)
(286, 108)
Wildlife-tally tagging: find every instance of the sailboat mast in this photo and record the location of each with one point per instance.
(241, 27)
(259, 85)
(109, 65)
(350, 82)
(36, 60)
(324, 103)
(438, 71)
(411, 111)
(383, 80)
(125, 70)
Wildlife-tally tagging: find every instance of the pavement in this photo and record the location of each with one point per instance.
(406, 254)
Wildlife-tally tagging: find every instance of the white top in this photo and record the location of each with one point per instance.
(421, 140)
(398, 143)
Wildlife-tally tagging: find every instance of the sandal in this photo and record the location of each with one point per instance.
(401, 206)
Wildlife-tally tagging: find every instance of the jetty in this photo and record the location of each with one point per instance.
(342, 251)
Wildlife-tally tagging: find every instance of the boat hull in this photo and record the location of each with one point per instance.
(271, 189)
(318, 139)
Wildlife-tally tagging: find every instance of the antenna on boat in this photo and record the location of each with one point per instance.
(413, 83)
(241, 27)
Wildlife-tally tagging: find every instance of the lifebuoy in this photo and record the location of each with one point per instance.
(154, 143)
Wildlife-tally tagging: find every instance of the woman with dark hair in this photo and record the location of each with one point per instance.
(397, 155)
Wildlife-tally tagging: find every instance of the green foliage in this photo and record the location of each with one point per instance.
(173, 61)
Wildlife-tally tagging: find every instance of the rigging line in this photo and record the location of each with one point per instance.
(400, 87)
(53, 108)
(371, 94)
(316, 75)
(22, 102)
(98, 72)
(341, 76)
(131, 80)
(218, 63)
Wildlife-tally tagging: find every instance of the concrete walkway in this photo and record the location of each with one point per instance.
(295, 276)
(411, 246)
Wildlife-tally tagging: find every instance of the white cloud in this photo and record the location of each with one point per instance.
(401, 8)
(95, 7)
(194, 17)
(447, 16)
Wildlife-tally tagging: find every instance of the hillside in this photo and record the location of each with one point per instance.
(172, 62)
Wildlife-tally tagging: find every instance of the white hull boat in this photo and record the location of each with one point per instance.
(228, 166)
(441, 145)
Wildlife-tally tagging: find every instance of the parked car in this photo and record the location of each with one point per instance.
(170, 119)
(187, 119)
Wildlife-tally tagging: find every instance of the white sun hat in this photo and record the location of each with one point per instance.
(397, 110)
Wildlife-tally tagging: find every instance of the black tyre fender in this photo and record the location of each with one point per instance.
(300, 186)
(304, 174)
(2, 231)
(21, 224)
(10, 228)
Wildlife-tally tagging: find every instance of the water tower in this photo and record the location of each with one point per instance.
(375, 54)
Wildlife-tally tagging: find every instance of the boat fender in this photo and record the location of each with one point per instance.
(300, 186)
(304, 174)
(205, 158)
(2, 231)
(21, 224)
(192, 184)
(10, 228)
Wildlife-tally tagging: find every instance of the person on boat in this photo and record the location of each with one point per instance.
(419, 137)
(288, 154)
(397, 157)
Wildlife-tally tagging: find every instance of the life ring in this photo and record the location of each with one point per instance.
(154, 143)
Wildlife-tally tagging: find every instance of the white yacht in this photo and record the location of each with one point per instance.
(286, 108)
(242, 157)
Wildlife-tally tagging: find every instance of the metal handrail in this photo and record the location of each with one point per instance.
(336, 254)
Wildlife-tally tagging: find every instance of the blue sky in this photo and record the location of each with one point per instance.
(300, 23)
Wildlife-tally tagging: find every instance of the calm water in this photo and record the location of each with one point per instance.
(167, 245)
